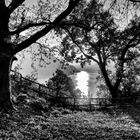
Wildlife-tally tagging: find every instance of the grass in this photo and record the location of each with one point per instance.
(62, 124)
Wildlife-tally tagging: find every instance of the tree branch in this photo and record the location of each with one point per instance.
(44, 31)
(14, 4)
(129, 45)
(23, 28)
(75, 42)
(134, 0)
(84, 26)
(80, 25)
(2, 3)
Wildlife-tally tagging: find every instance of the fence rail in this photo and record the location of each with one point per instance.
(36, 87)
(75, 103)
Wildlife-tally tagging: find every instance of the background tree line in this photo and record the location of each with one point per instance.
(96, 37)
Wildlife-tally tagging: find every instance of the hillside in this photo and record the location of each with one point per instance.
(70, 70)
(62, 124)
(33, 122)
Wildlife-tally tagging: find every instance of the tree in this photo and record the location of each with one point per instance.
(63, 86)
(95, 37)
(15, 21)
(122, 11)
(130, 83)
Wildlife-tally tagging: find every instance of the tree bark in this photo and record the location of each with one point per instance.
(112, 89)
(5, 91)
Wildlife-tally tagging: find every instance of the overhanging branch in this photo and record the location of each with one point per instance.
(14, 4)
(134, 0)
(80, 25)
(75, 42)
(130, 45)
(44, 31)
(21, 29)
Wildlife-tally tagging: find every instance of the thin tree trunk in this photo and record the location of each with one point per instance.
(5, 102)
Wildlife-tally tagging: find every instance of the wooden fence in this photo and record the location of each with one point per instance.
(90, 104)
(73, 103)
(29, 84)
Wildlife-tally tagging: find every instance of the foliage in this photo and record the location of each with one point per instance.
(130, 83)
(22, 25)
(64, 88)
(22, 84)
(92, 41)
(114, 124)
(38, 105)
(35, 18)
(96, 37)
(26, 93)
(122, 10)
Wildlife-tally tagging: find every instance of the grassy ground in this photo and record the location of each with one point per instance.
(61, 124)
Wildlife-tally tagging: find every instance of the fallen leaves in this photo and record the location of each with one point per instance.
(63, 124)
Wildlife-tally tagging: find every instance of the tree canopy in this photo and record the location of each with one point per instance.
(89, 32)
(96, 37)
(20, 27)
(63, 86)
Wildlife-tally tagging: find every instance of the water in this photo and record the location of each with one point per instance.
(86, 82)
(82, 82)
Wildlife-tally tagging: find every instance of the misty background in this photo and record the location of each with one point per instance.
(85, 77)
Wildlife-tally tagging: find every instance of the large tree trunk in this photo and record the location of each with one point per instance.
(5, 102)
(112, 89)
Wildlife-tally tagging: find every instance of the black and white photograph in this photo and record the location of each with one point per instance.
(69, 69)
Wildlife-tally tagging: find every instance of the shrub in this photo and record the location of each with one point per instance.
(56, 113)
(66, 111)
(20, 99)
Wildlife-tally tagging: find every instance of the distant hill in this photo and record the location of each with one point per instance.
(89, 68)
(70, 70)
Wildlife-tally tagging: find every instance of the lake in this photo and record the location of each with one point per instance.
(86, 82)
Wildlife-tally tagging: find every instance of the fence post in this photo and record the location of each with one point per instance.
(21, 89)
(74, 104)
(90, 104)
(20, 81)
(39, 88)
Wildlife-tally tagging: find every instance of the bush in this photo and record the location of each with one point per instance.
(20, 99)
(66, 111)
(56, 113)
(38, 104)
(38, 107)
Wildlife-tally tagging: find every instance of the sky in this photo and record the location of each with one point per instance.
(30, 2)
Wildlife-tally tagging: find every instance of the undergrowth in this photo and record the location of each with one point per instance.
(63, 124)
